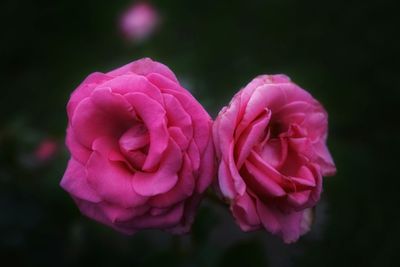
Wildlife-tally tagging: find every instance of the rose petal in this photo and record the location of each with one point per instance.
(245, 213)
(177, 115)
(163, 83)
(275, 152)
(264, 181)
(200, 118)
(74, 182)
(103, 114)
(182, 190)
(324, 159)
(238, 182)
(84, 90)
(251, 136)
(110, 179)
(153, 116)
(134, 84)
(165, 220)
(178, 136)
(144, 67)
(165, 178)
(225, 181)
(207, 168)
(287, 225)
(224, 129)
(78, 151)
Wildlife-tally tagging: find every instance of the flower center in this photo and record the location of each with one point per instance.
(134, 145)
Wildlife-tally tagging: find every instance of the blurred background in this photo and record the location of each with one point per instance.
(344, 52)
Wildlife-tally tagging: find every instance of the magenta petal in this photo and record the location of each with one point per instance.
(77, 150)
(263, 181)
(115, 213)
(207, 168)
(224, 129)
(324, 159)
(94, 211)
(182, 190)
(189, 213)
(200, 118)
(134, 84)
(165, 220)
(164, 179)
(103, 114)
(225, 181)
(194, 155)
(163, 83)
(74, 182)
(257, 104)
(134, 138)
(251, 136)
(293, 107)
(245, 213)
(144, 67)
(110, 179)
(177, 135)
(299, 199)
(305, 177)
(267, 217)
(153, 116)
(287, 225)
(238, 182)
(177, 115)
(275, 152)
(84, 90)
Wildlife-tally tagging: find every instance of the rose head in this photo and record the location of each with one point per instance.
(139, 21)
(271, 145)
(141, 149)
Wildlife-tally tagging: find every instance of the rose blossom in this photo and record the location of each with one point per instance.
(139, 21)
(271, 143)
(46, 149)
(141, 149)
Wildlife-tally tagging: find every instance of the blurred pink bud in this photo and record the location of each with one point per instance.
(46, 150)
(139, 21)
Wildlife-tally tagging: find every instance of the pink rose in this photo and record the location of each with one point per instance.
(46, 149)
(271, 143)
(141, 149)
(139, 21)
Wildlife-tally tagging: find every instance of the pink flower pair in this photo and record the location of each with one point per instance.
(143, 152)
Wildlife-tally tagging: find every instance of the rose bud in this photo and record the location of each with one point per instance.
(46, 150)
(271, 146)
(141, 149)
(139, 21)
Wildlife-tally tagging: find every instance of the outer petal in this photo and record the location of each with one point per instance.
(207, 168)
(84, 90)
(245, 213)
(144, 66)
(75, 183)
(80, 152)
(166, 220)
(134, 83)
(287, 225)
(225, 181)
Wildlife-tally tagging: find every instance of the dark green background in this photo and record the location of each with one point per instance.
(344, 52)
